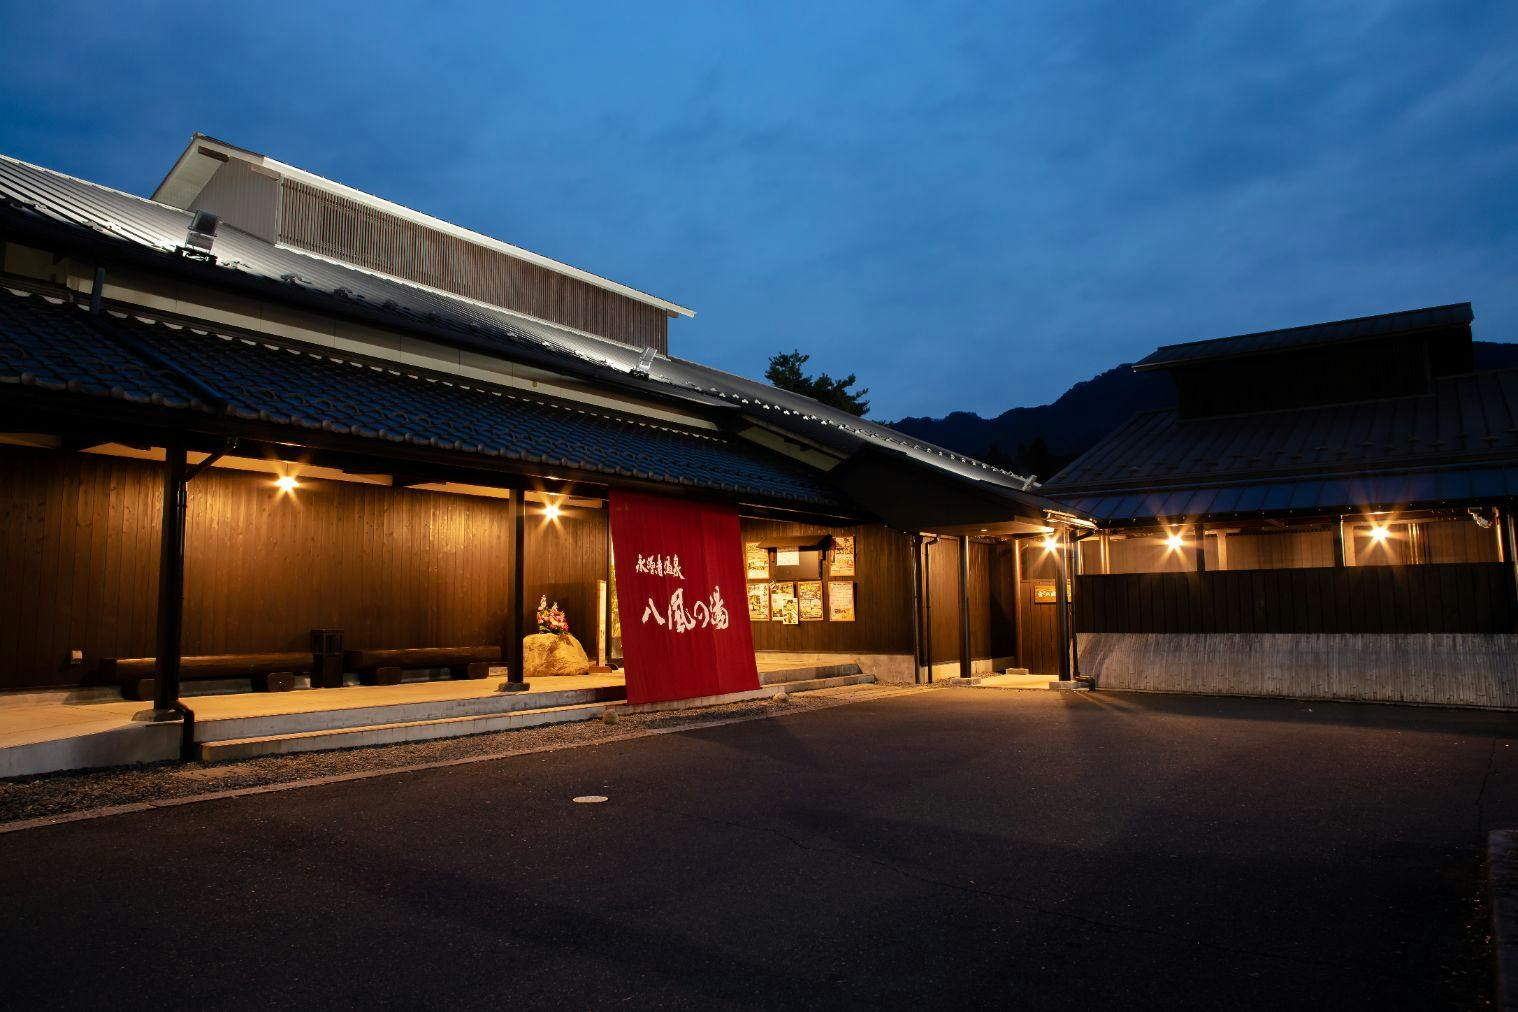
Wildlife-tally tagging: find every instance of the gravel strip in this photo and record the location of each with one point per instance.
(57, 794)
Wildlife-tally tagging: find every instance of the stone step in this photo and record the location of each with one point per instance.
(392, 733)
(213, 729)
(1015, 671)
(807, 673)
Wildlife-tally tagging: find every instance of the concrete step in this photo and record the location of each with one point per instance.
(831, 682)
(215, 729)
(807, 673)
(1015, 671)
(392, 733)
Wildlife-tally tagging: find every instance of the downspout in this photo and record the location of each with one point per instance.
(927, 603)
(915, 540)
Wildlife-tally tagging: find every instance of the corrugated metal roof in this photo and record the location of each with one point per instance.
(67, 201)
(56, 347)
(1340, 331)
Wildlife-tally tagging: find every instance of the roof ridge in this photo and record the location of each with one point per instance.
(1311, 326)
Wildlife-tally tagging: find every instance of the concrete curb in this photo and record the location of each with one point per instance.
(1502, 884)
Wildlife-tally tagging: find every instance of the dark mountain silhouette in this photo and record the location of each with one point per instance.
(1041, 440)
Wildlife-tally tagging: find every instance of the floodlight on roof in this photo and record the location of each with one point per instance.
(202, 231)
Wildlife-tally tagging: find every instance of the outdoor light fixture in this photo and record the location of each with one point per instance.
(286, 483)
(551, 511)
(1174, 541)
(1379, 533)
(201, 233)
(1049, 543)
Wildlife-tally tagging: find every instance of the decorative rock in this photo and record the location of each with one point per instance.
(547, 654)
(781, 697)
(608, 716)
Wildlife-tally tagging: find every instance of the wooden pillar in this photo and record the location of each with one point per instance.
(965, 663)
(1017, 603)
(170, 647)
(1510, 526)
(1200, 532)
(516, 603)
(1061, 575)
(1106, 554)
(1340, 557)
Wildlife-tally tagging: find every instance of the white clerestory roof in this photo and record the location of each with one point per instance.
(204, 155)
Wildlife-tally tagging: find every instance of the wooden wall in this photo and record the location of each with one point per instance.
(344, 229)
(391, 567)
(882, 595)
(1454, 598)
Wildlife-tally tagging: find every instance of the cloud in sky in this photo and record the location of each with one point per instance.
(970, 205)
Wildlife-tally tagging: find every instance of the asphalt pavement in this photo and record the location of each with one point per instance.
(960, 847)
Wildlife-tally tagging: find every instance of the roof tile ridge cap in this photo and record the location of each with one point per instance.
(1323, 323)
(91, 183)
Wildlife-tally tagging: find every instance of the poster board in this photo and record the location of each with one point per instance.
(841, 601)
(787, 558)
(809, 600)
(756, 560)
(759, 602)
(842, 559)
(783, 603)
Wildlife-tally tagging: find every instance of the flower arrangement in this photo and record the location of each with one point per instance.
(551, 619)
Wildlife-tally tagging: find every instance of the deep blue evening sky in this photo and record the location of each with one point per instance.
(969, 207)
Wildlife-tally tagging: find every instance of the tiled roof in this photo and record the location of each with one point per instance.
(1306, 495)
(1465, 431)
(47, 196)
(1341, 331)
(56, 346)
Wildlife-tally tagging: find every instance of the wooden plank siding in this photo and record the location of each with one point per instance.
(882, 595)
(390, 567)
(1446, 598)
(344, 229)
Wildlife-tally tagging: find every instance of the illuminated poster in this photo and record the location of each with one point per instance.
(759, 602)
(756, 560)
(787, 557)
(843, 556)
(783, 603)
(841, 601)
(809, 600)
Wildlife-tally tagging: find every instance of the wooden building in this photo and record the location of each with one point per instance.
(1327, 512)
(305, 412)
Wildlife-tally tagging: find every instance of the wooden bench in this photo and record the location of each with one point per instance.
(386, 667)
(275, 672)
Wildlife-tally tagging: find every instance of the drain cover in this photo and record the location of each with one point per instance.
(590, 799)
